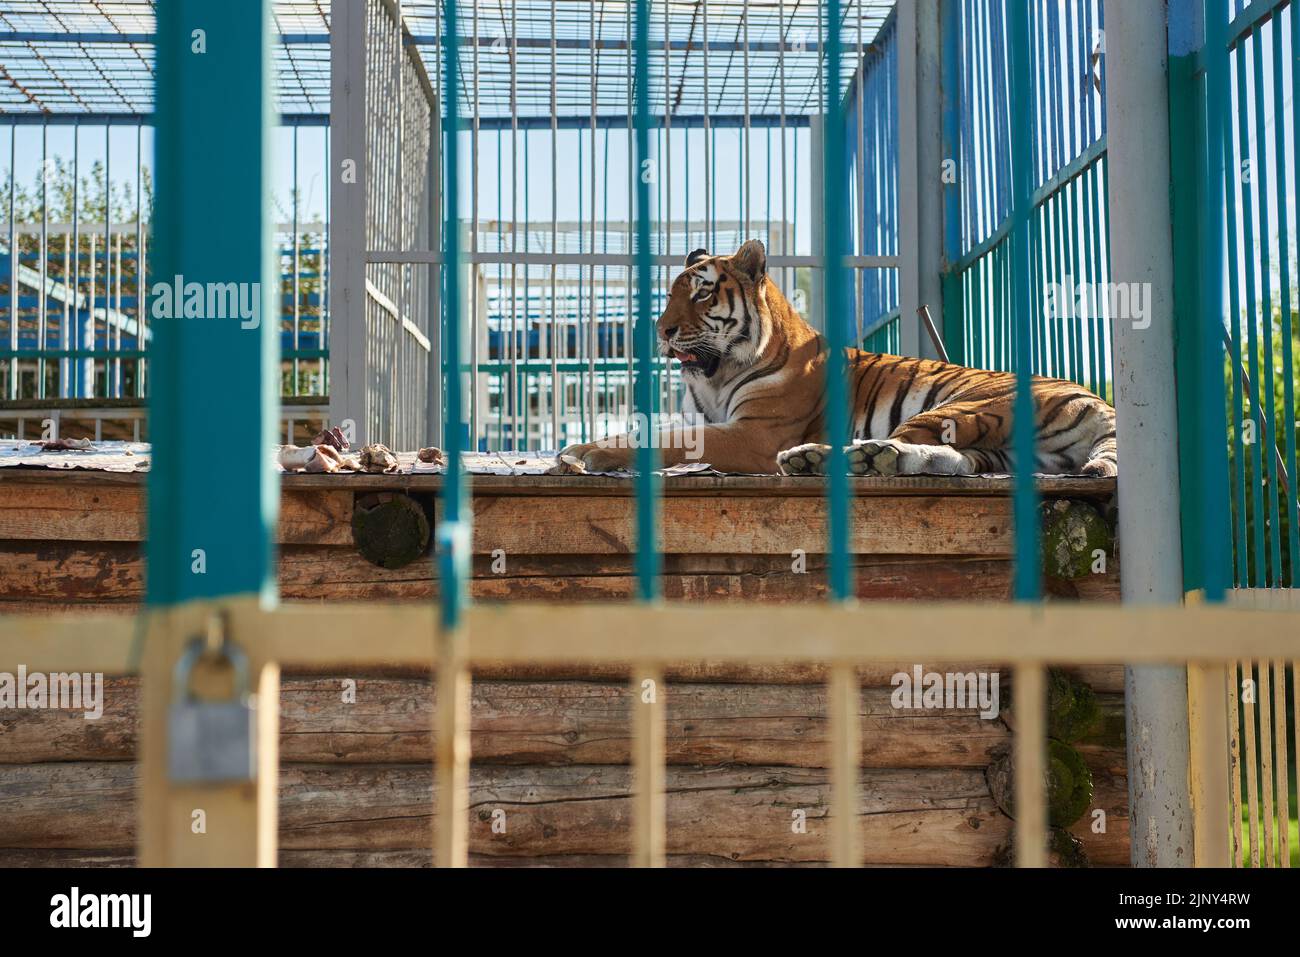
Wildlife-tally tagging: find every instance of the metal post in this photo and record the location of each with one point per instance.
(1137, 115)
(210, 531)
(347, 276)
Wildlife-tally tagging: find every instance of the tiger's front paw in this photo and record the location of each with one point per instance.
(597, 458)
(874, 457)
(807, 459)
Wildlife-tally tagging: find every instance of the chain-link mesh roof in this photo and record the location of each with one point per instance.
(96, 56)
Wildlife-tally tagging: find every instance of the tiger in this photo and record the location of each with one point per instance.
(754, 372)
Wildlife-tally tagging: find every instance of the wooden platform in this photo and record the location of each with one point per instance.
(73, 538)
(746, 745)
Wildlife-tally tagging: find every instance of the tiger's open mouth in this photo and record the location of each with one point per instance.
(684, 357)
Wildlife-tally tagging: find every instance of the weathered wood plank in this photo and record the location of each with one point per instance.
(745, 814)
(75, 512)
(565, 722)
(924, 525)
(546, 524)
(315, 517)
(69, 511)
(1065, 486)
(68, 572)
(347, 858)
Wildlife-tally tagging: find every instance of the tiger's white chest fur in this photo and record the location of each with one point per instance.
(701, 396)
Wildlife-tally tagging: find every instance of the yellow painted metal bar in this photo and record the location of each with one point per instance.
(1232, 695)
(451, 761)
(665, 633)
(648, 732)
(94, 643)
(846, 749)
(1251, 758)
(204, 826)
(1280, 765)
(1267, 779)
(1031, 765)
(1207, 710)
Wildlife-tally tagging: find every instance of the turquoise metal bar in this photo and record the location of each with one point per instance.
(210, 527)
(1028, 566)
(1264, 384)
(647, 492)
(1288, 356)
(1238, 476)
(1215, 556)
(454, 530)
(834, 188)
(1249, 300)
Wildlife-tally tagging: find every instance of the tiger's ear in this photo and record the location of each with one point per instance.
(696, 256)
(751, 260)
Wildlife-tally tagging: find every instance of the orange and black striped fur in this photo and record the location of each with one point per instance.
(754, 370)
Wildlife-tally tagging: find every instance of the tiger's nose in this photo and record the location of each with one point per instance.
(669, 332)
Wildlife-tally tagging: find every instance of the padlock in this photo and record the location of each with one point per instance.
(211, 742)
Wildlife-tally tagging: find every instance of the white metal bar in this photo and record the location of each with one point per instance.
(787, 288)
(90, 305)
(709, 185)
(1140, 242)
(348, 118)
(67, 365)
(746, 159)
(860, 208)
(67, 302)
(668, 185)
(116, 390)
(294, 387)
(632, 173)
(141, 277)
(116, 364)
(591, 316)
(45, 217)
(13, 268)
(472, 252)
(556, 388)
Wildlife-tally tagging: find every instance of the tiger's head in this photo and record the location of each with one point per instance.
(719, 312)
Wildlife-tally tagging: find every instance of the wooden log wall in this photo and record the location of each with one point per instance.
(550, 785)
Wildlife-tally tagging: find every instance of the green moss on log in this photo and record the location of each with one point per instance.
(1063, 850)
(1069, 784)
(1073, 534)
(1073, 711)
(390, 529)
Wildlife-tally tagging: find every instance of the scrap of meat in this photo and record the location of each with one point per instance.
(378, 458)
(567, 465)
(66, 445)
(333, 438)
(316, 458)
(432, 455)
(326, 458)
